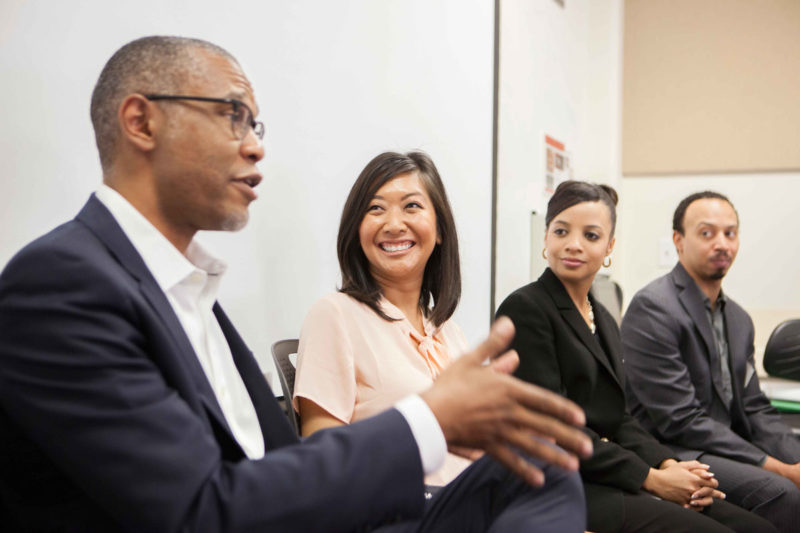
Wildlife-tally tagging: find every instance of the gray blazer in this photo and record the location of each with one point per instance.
(674, 386)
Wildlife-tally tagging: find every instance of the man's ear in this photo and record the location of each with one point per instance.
(677, 239)
(136, 119)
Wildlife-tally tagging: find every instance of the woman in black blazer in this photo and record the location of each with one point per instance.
(569, 343)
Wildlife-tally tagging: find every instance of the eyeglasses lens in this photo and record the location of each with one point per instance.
(242, 121)
(258, 128)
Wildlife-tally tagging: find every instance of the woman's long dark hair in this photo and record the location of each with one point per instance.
(441, 282)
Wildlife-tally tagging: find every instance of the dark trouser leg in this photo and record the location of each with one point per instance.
(558, 506)
(487, 497)
(738, 519)
(644, 513)
(766, 494)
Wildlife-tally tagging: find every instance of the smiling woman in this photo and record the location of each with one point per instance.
(387, 333)
(398, 235)
(441, 280)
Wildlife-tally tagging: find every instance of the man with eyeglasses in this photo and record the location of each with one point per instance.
(129, 402)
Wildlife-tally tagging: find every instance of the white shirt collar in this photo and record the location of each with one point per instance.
(167, 264)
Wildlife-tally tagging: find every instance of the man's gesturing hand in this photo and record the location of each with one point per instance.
(482, 407)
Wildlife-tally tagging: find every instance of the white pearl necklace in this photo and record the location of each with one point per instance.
(592, 327)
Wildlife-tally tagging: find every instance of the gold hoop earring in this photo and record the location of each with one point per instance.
(609, 261)
(544, 253)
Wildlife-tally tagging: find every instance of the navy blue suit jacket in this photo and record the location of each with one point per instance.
(108, 422)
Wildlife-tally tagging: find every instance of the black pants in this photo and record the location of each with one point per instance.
(644, 513)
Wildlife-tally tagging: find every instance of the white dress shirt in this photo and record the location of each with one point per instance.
(191, 283)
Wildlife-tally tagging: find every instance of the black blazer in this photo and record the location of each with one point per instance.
(108, 423)
(558, 351)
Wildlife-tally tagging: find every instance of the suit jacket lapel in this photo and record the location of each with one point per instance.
(572, 316)
(102, 223)
(737, 350)
(274, 425)
(737, 353)
(691, 298)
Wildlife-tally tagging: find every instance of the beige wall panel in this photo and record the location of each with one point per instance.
(711, 86)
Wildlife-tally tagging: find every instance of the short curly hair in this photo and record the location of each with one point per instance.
(680, 211)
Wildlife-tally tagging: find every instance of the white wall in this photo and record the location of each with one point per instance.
(560, 74)
(337, 83)
(764, 278)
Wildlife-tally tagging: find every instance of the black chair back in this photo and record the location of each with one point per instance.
(281, 351)
(782, 354)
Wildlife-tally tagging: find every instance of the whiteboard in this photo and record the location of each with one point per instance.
(337, 83)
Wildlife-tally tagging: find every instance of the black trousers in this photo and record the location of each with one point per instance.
(487, 497)
(645, 513)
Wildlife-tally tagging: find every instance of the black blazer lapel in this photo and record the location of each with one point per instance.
(102, 223)
(274, 426)
(691, 299)
(573, 318)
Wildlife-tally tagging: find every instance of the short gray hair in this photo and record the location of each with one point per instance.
(156, 64)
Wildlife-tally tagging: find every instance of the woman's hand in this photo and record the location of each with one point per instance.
(705, 496)
(687, 483)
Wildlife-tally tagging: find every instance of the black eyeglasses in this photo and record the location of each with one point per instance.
(241, 118)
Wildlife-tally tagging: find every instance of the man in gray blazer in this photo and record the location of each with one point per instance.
(688, 352)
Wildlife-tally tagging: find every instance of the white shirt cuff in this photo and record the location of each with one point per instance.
(426, 431)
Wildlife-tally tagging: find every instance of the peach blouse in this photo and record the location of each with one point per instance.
(354, 364)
